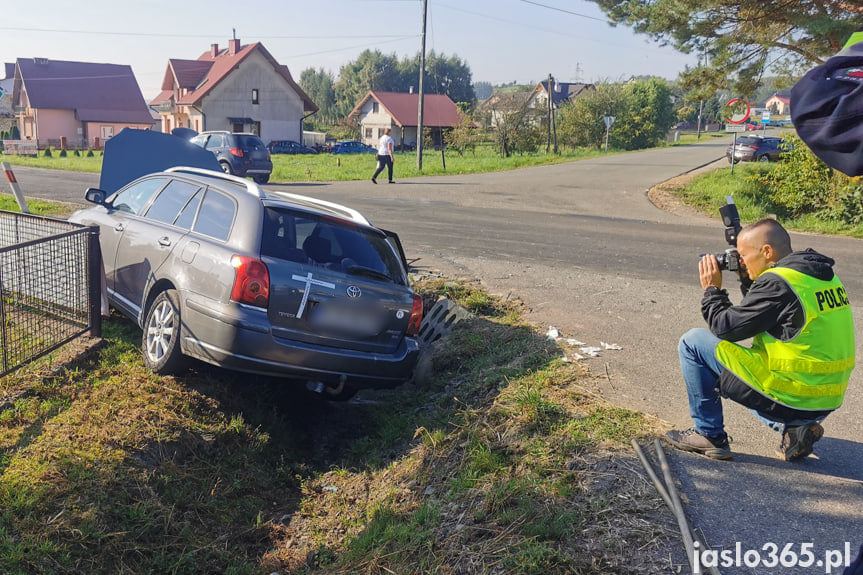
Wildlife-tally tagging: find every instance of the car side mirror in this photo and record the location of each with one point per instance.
(95, 196)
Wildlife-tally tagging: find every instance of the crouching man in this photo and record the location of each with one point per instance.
(796, 372)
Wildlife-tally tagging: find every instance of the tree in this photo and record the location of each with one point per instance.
(741, 38)
(642, 109)
(320, 87)
(581, 120)
(444, 75)
(482, 90)
(372, 70)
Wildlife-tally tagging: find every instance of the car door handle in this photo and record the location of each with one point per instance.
(164, 241)
(119, 227)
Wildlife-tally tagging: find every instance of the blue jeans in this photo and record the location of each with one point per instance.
(701, 369)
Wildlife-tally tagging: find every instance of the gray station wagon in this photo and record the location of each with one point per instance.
(212, 267)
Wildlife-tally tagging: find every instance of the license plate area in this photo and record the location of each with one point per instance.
(352, 320)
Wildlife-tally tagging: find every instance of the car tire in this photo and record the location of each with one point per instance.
(765, 158)
(226, 167)
(261, 179)
(160, 341)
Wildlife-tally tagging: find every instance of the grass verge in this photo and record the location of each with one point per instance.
(505, 462)
(37, 207)
(707, 193)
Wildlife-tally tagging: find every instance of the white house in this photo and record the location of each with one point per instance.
(238, 89)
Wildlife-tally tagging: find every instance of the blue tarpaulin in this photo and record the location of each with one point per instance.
(135, 153)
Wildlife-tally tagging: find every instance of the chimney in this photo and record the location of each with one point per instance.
(233, 46)
(214, 50)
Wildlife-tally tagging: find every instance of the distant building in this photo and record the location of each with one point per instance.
(377, 111)
(779, 103)
(79, 104)
(561, 92)
(238, 89)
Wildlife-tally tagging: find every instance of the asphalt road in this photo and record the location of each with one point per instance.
(583, 246)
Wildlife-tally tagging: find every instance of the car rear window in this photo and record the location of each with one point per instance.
(249, 141)
(748, 140)
(317, 240)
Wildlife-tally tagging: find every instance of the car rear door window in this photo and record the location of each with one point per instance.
(134, 198)
(339, 246)
(173, 198)
(215, 141)
(216, 215)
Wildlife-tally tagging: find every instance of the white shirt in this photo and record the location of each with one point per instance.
(384, 145)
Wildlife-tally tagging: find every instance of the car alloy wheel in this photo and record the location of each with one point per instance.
(765, 158)
(161, 337)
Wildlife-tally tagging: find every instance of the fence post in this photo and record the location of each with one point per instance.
(16, 189)
(94, 260)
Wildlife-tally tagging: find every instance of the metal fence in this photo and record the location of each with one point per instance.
(50, 286)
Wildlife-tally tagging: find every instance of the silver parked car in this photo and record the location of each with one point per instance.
(212, 267)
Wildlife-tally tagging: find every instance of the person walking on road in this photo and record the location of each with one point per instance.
(797, 370)
(385, 156)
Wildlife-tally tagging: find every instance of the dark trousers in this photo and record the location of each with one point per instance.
(384, 161)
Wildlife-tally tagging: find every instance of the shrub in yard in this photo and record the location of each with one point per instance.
(90, 153)
(802, 184)
(77, 153)
(48, 152)
(63, 153)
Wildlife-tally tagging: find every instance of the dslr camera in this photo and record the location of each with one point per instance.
(729, 259)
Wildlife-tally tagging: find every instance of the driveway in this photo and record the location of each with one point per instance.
(587, 251)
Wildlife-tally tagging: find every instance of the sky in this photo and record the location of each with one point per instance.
(500, 40)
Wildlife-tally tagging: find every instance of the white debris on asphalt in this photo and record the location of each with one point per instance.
(591, 351)
(552, 333)
(609, 345)
(575, 342)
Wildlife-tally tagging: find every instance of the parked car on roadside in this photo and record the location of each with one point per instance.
(289, 147)
(213, 267)
(756, 149)
(238, 154)
(352, 147)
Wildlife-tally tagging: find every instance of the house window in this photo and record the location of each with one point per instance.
(237, 128)
(375, 107)
(255, 96)
(107, 132)
(368, 132)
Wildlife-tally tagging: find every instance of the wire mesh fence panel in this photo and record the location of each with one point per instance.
(46, 286)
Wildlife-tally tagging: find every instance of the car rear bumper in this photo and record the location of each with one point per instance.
(245, 343)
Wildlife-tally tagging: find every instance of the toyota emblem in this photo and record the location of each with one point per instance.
(354, 292)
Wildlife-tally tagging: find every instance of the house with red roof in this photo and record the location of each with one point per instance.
(377, 111)
(238, 89)
(779, 103)
(76, 104)
(561, 92)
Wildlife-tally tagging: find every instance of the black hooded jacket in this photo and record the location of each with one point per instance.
(769, 305)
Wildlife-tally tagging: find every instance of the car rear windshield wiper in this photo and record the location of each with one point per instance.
(368, 272)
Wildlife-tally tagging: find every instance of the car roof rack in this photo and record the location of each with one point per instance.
(255, 190)
(343, 211)
(251, 187)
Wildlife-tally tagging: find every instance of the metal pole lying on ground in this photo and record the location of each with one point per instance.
(669, 500)
(16, 189)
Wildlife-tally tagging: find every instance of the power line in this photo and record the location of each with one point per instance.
(555, 8)
(164, 35)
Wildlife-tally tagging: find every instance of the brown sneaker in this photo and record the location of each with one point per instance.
(797, 442)
(691, 440)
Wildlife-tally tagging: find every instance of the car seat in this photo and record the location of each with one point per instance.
(318, 249)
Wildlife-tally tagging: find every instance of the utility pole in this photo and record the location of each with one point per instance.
(550, 119)
(420, 103)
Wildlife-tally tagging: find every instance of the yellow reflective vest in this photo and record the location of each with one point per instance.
(810, 371)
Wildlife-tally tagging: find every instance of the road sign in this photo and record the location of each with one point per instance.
(765, 117)
(738, 118)
(735, 128)
(609, 120)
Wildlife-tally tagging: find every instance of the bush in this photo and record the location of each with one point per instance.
(77, 153)
(48, 152)
(90, 153)
(803, 184)
(63, 153)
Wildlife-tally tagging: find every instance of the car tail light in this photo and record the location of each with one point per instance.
(252, 284)
(237, 152)
(753, 147)
(416, 316)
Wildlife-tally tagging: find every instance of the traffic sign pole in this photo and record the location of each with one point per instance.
(16, 189)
